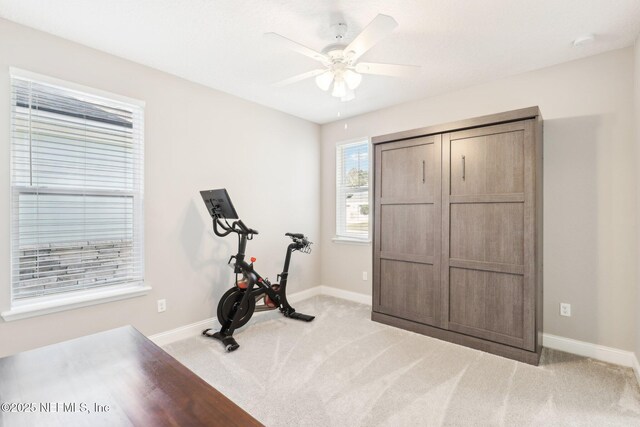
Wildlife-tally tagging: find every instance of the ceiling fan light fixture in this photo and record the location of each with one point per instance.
(341, 71)
(339, 88)
(349, 95)
(324, 80)
(352, 79)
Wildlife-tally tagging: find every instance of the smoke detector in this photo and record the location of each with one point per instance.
(584, 40)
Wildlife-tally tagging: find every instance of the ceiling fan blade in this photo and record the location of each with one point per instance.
(297, 47)
(393, 70)
(299, 77)
(379, 28)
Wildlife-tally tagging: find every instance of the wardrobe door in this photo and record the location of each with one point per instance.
(407, 229)
(488, 251)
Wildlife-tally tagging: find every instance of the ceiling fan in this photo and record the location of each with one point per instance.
(341, 70)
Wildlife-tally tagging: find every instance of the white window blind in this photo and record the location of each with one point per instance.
(352, 190)
(77, 188)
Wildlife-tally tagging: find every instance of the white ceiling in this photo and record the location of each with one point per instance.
(219, 43)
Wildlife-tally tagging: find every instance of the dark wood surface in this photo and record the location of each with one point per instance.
(120, 369)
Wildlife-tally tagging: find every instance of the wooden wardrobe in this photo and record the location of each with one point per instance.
(457, 251)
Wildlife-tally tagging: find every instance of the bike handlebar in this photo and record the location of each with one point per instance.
(236, 227)
(244, 228)
(300, 241)
(239, 227)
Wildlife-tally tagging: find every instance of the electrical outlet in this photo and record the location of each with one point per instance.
(162, 305)
(364, 275)
(565, 309)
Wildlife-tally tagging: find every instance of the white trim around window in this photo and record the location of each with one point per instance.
(352, 174)
(77, 188)
(76, 300)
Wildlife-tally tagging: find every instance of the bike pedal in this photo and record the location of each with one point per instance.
(300, 316)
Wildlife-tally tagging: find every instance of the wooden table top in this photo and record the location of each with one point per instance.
(114, 378)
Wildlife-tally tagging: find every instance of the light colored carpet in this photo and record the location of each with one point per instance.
(342, 369)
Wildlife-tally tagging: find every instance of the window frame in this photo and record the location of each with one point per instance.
(342, 236)
(35, 306)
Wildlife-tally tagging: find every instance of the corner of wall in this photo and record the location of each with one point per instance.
(636, 367)
(636, 112)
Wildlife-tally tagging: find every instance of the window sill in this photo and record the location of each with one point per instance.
(350, 241)
(84, 299)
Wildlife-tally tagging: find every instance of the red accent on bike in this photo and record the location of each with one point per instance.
(260, 280)
(242, 284)
(253, 259)
(268, 301)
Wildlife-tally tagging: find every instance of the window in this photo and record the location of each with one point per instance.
(76, 190)
(352, 191)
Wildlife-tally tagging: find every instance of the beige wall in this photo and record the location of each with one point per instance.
(636, 80)
(196, 138)
(590, 247)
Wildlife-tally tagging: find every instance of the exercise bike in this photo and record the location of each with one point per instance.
(251, 292)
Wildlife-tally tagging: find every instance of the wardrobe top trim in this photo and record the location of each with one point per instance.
(492, 119)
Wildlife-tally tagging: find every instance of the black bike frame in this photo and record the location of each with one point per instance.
(264, 285)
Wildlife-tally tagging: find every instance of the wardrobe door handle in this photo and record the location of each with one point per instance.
(423, 171)
(463, 167)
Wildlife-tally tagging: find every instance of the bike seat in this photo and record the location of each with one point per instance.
(295, 235)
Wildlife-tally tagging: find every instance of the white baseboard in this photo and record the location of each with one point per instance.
(347, 295)
(587, 349)
(303, 295)
(196, 328)
(581, 348)
(183, 332)
(568, 345)
(636, 367)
